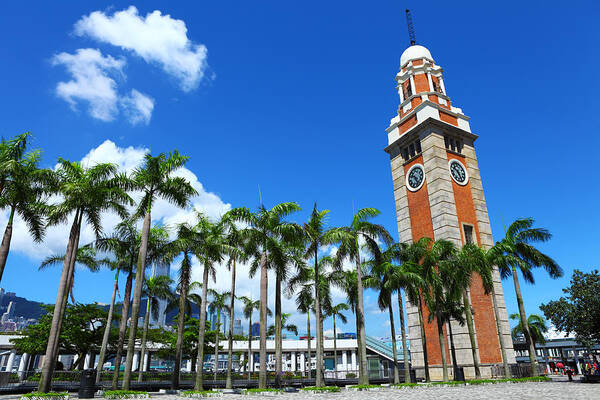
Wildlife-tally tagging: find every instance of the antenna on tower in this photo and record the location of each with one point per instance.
(411, 28)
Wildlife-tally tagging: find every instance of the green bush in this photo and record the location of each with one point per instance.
(324, 389)
(125, 394)
(363, 387)
(351, 375)
(49, 395)
(401, 385)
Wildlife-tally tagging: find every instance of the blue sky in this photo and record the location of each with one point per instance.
(295, 97)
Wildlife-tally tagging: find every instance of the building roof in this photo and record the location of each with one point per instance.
(415, 52)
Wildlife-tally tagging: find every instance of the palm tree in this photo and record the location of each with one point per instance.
(86, 257)
(22, 193)
(116, 266)
(123, 244)
(316, 236)
(333, 312)
(249, 307)
(284, 325)
(210, 247)
(11, 152)
(183, 244)
(360, 229)
(537, 329)
(435, 264)
(402, 277)
(471, 261)
(516, 252)
(217, 306)
(266, 229)
(412, 257)
(381, 277)
(305, 303)
(236, 240)
(156, 288)
(155, 180)
(85, 193)
(451, 309)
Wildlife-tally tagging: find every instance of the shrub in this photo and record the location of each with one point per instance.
(125, 394)
(321, 389)
(365, 387)
(45, 396)
(350, 375)
(258, 391)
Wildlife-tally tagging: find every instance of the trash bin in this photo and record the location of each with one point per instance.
(413, 376)
(87, 385)
(459, 374)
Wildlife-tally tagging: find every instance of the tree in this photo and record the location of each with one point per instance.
(236, 240)
(349, 237)
(266, 229)
(217, 306)
(337, 312)
(123, 244)
(537, 327)
(86, 257)
(316, 236)
(154, 179)
(305, 303)
(23, 189)
(249, 307)
(284, 325)
(387, 276)
(210, 247)
(156, 288)
(516, 252)
(183, 244)
(81, 332)
(83, 193)
(579, 310)
(11, 152)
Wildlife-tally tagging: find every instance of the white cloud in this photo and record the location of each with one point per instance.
(138, 107)
(91, 82)
(127, 158)
(156, 38)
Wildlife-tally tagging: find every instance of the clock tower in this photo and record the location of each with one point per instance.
(439, 194)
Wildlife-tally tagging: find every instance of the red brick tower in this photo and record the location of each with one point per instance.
(438, 193)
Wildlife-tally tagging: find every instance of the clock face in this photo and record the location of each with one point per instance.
(458, 172)
(415, 177)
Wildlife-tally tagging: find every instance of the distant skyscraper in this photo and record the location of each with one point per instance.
(256, 329)
(160, 270)
(237, 327)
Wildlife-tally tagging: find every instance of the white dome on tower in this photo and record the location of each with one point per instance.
(414, 52)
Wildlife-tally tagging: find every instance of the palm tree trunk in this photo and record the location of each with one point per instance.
(471, 329)
(228, 384)
(278, 355)
(452, 350)
(404, 345)
(358, 355)
(442, 346)
(185, 280)
(507, 373)
(137, 297)
(335, 363)
(200, 363)
(111, 309)
(532, 354)
(122, 328)
(217, 343)
(394, 350)
(308, 344)
(363, 378)
(319, 373)
(424, 342)
(57, 315)
(250, 362)
(264, 282)
(144, 337)
(5, 246)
